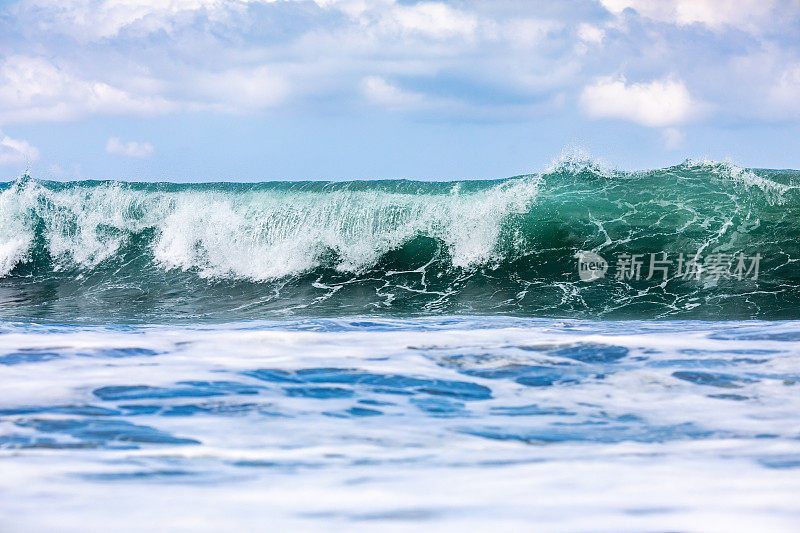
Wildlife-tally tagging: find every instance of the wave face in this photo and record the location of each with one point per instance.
(94, 251)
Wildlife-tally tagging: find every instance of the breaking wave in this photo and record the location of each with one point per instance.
(225, 251)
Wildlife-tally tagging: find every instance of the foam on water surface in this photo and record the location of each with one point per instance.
(318, 356)
(449, 423)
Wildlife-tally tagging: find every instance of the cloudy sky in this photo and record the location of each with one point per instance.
(336, 89)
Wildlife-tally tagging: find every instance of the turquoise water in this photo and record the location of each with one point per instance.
(403, 355)
(90, 252)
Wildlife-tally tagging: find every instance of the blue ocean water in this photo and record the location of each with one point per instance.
(449, 423)
(401, 355)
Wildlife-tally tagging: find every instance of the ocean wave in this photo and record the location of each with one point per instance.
(497, 246)
(257, 233)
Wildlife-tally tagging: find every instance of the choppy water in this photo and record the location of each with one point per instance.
(403, 355)
(452, 424)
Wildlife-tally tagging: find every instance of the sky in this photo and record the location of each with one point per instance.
(255, 90)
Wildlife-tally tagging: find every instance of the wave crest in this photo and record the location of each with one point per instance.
(237, 251)
(253, 233)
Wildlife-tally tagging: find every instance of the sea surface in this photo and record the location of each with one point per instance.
(403, 356)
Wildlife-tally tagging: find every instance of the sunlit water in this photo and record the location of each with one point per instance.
(449, 423)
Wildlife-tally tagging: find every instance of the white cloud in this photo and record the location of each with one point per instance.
(103, 19)
(92, 19)
(381, 92)
(715, 14)
(378, 91)
(659, 103)
(69, 59)
(15, 151)
(241, 89)
(129, 149)
(33, 89)
(590, 33)
(433, 19)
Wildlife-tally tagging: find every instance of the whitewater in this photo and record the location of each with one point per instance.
(136, 252)
(402, 355)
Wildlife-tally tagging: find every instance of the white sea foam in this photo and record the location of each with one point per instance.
(273, 234)
(577, 159)
(774, 192)
(16, 235)
(257, 235)
(305, 463)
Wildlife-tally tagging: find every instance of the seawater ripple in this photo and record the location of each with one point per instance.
(90, 252)
(453, 423)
